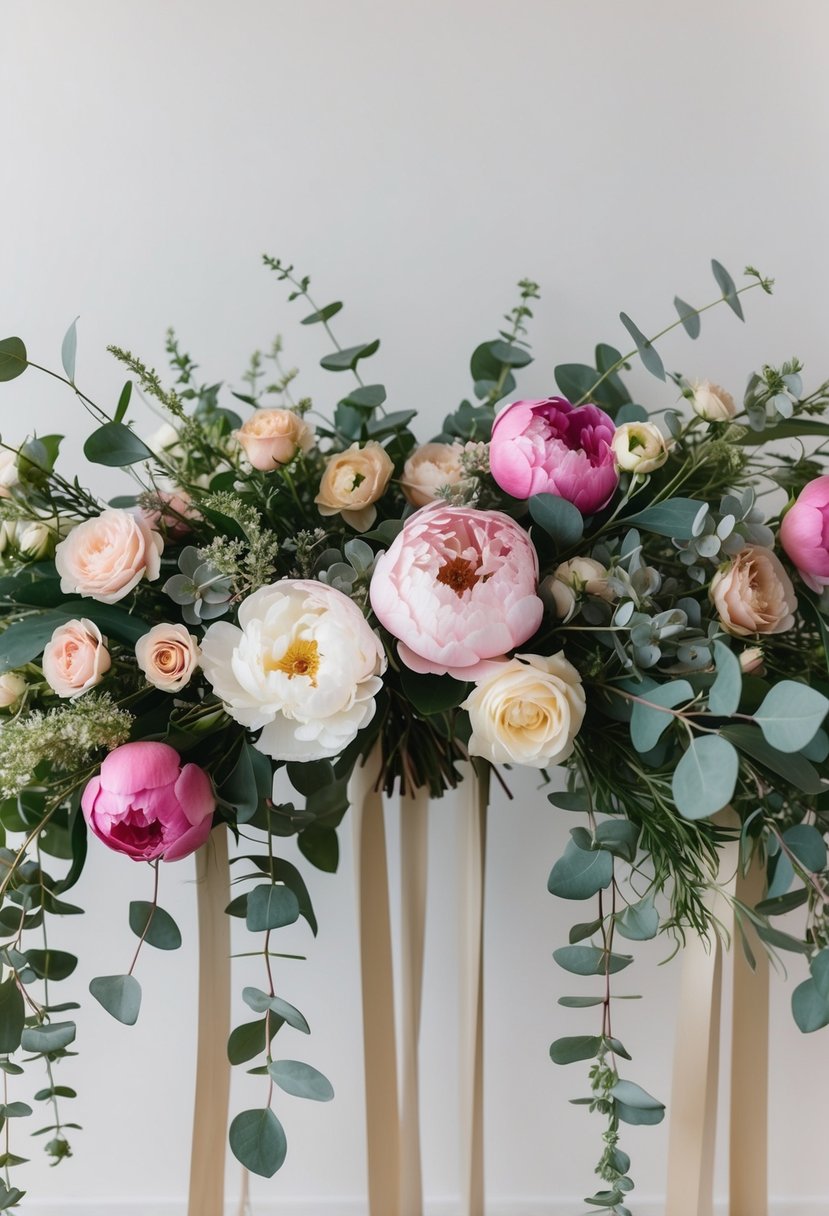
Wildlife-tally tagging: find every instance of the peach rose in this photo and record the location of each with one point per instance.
(107, 556)
(712, 403)
(168, 655)
(75, 658)
(272, 437)
(12, 688)
(429, 468)
(352, 482)
(753, 593)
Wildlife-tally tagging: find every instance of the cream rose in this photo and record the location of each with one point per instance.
(429, 468)
(168, 655)
(9, 475)
(273, 437)
(639, 447)
(107, 556)
(75, 658)
(572, 579)
(753, 593)
(12, 688)
(527, 711)
(751, 661)
(352, 482)
(712, 403)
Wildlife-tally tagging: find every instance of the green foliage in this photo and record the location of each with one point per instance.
(579, 874)
(120, 995)
(153, 925)
(647, 724)
(688, 316)
(674, 518)
(724, 693)
(651, 361)
(728, 287)
(12, 1016)
(559, 519)
(590, 960)
(791, 715)
(634, 1105)
(271, 906)
(13, 358)
(705, 777)
(575, 1048)
(258, 1141)
(115, 445)
(69, 350)
(301, 1080)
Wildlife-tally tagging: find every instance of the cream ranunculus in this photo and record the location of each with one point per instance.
(527, 711)
(571, 580)
(271, 438)
(303, 667)
(429, 468)
(353, 481)
(168, 655)
(754, 594)
(75, 658)
(107, 556)
(12, 688)
(9, 475)
(639, 447)
(712, 403)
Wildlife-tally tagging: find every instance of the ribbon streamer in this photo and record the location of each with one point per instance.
(414, 818)
(207, 1162)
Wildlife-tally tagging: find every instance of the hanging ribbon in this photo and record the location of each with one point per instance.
(414, 818)
(380, 1051)
(207, 1162)
(474, 797)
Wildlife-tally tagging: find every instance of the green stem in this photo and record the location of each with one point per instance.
(153, 906)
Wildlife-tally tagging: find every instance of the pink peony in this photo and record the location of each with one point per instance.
(804, 534)
(457, 588)
(146, 805)
(553, 447)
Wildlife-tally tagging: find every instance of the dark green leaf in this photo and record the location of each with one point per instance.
(506, 353)
(15, 1110)
(301, 1080)
(246, 1041)
(432, 694)
(580, 1002)
(576, 1047)
(728, 287)
(271, 906)
(115, 445)
(705, 777)
(320, 846)
(688, 316)
(13, 358)
(819, 967)
(590, 960)
(347, 360)
(322, 314)
(69, 350)
(790, 766)
(647, 353)
(808, 846)
(580, 933)
(810, 1007)
(366, 397)
(123, 402)
(12, 1016)
(257, 1140)
(559, 519)
(579, 875)
(51, 964)
(120, 995)
(163, 932)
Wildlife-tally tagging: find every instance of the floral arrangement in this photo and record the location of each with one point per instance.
(571, 581)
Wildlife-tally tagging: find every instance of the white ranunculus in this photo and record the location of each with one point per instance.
(572, 579)
(639, 447)
(527, 711)
(303, 667)
(712, 403)
(9, 474)
(12, 688)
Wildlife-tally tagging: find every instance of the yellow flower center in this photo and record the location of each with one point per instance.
(302, 658)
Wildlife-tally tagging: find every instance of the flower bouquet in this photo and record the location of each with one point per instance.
(573, 581)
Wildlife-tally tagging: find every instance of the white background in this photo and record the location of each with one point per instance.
(416, 159)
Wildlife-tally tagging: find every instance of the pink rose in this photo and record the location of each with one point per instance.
(753, 593)
(168, 655)
(553, 447)
(107, 556)
(173, 514)
(75, 658)
(804, 534)
(271, 438)
(457, 588)
(146, 805)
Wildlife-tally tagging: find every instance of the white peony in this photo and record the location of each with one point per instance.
(303, 666)
(528, 711)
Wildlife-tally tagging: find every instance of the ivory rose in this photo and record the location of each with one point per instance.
(553, 447)
(271, 438)
(639, 447)
(12, 688)
(146, 804)
(711, 402)
(572, 579)
(107, 556)
(353, 481)
(527, 711)
(9, 475)
(753, 593)
(168, 655)
(429, 468)
(804, 534)
(457, 588)
(303, 667)
(75, 658)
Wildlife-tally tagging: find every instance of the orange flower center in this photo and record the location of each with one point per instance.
(459, 574)
(302, 658)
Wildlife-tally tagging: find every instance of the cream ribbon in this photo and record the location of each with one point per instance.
(207, 1162)
(414, 818)
(474, 797)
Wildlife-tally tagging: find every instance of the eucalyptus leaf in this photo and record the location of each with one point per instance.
(724, 693)
(116, 446)
(69, 350)
(12, 1016)
(791, 766)
(301, 1080)
(157, 927)
(574, 1048)
(650, 716)
(580, 875)
(257, 1140)
(647, 352)
(120, 995)
(13, 358)
(619, 837)
(346, 360)
(808, 846)
(705, 777)
(590, 960)
(791, 715)
(559, 519)
(271, 906)
(49, 1037)
(322, 314)
(810, 1007)
(728, 287)
(688, 316)
(639, 922)
(674, 518)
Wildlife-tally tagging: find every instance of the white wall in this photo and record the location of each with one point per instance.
(415, 159)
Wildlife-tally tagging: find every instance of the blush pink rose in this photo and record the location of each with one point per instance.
(75, 658)
(145, 804)
(553, 447)
(457, 588)
(753, 593)
(804, 534)
(173, 514)
(107, 556)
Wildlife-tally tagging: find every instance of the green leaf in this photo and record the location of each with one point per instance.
(791, 715)
(115, 445)
(781, 904)
(705, 777)
(674, 518)
(13, 358)
(271, 906)
(634, 1105)
(819, 967)
(566, 800)
(301, 1080)
(810, 1007)
(322, 314)
(249, 783)
(69, 349)
(287, 873)
(387, 424)
(15, 1110)
(647, 352)
(163, 932)
(257, 1140)
(366, 397)
(506, 353)
(575, 380)
(580, 933)
(12, 1016)
(320, 845)
(559, 519)
(808, 846)
(724, 693)
(120, 995)
(123, 402)
(619, 837)
(432, 694)
(728, 287)
(589, 960)
(24, 640)
(51, 964)
(346, 360)
(580, 1002)
(792, 767)
(10, 1196)
(576, 1047)
(639, 922)
(647, 724)
(260, 1001)
(688, 316)
(246, 1041)
(51, 1036)
(579, 874)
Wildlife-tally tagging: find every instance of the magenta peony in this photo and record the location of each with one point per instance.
(553, 447)
(804, 534)
(146, 805)
(457, 588)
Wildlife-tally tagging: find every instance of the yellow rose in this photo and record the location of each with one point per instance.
(352, 482)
